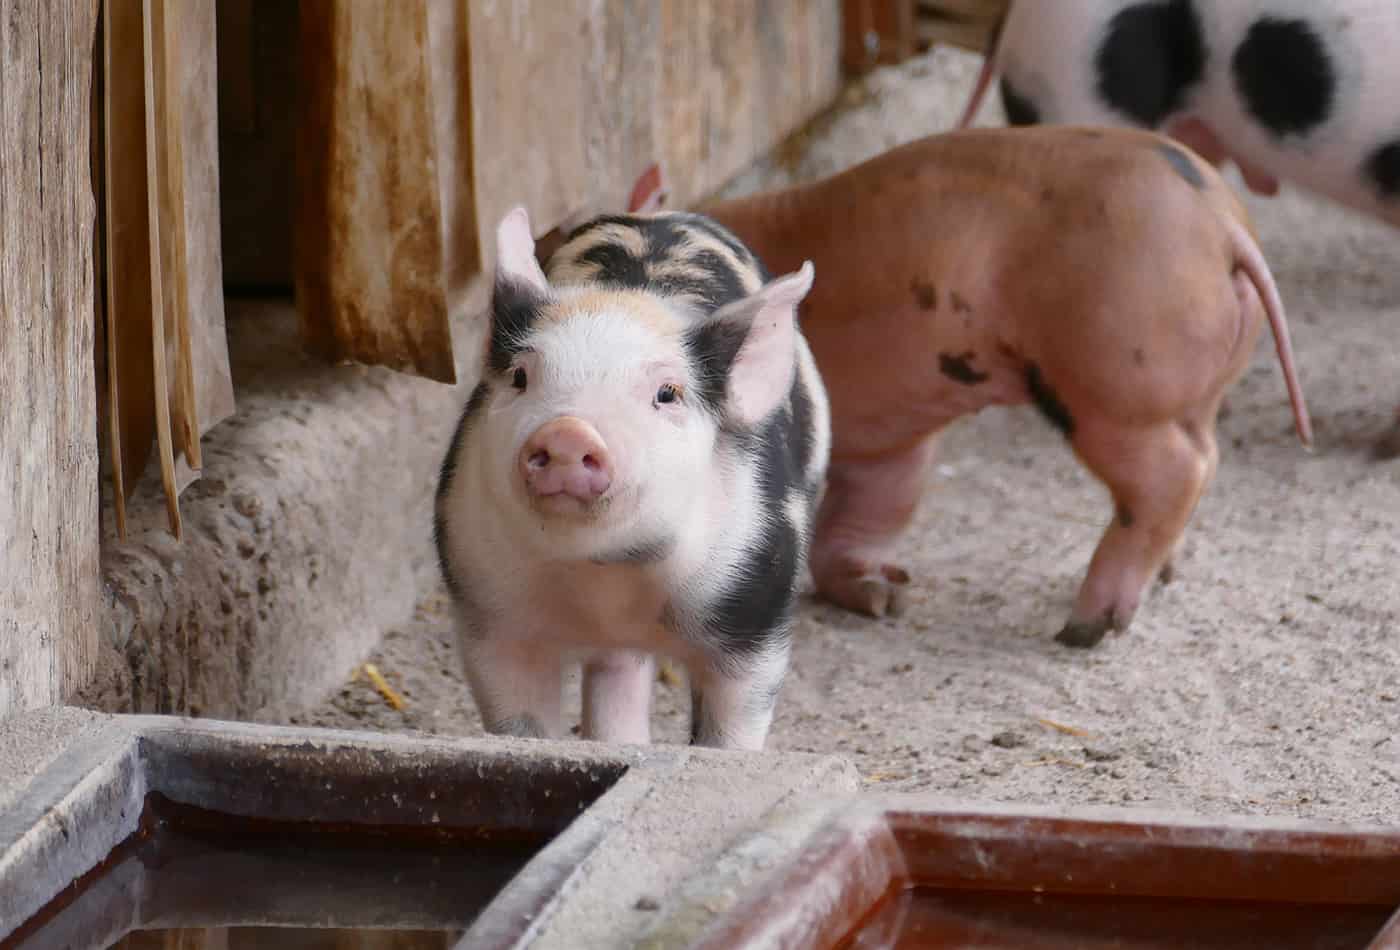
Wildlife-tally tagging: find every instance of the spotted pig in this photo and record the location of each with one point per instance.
(634, 475)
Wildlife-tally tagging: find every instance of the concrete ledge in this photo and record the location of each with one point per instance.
(653, 814)
(307, 535)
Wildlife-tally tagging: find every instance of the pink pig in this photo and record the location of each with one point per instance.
(1107, 276)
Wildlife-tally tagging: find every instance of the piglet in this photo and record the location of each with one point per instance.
(634, 475)
(1108, 276)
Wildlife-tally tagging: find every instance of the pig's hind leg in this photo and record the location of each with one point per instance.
(617, 688)
(868, 505)
(1156, 476)
(517, 687)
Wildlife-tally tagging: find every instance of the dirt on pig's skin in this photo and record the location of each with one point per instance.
(1265, 679)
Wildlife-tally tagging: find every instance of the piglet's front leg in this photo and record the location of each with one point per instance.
(617, 689)
(732, 699)
(868, 505)
(517, 686)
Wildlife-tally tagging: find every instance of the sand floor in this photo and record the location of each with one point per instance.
(1264, 680)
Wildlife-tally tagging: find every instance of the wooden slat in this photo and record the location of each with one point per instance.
(163, 330)
(369, 235)
(449, 60)
(48, 444)
(193, 110)
(736, 79)
(529, 111)
(130, 350)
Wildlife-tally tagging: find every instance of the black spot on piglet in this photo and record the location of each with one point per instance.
(1019, 109)
(1048, 401)
(959, 368)
(1383, 168)
(1284, 76)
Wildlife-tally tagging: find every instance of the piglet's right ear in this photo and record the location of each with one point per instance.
(515, 252)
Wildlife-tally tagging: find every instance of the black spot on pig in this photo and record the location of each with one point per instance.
(1125, 516)
(711, 347)
(445, 479)
(1151, 55)
(1383, 168)
(801, 435)
(1139, 357)
(925, 295)
(1018, 107)
(721, 282)
(959, 368)
(751, 614)
(726, 237)
(1183, 165)
(959, 304)
(1048, 401)
(1047, 194)
(514, 310)
(1285, 76)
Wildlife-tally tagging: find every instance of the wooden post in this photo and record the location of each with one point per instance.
(48, 405)
(370, 268)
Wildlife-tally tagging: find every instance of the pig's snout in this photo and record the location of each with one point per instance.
(566, 459)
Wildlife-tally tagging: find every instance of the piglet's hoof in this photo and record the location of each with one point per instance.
(1084, 635)
(873, 592)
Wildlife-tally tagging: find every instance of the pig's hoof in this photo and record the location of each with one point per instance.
(1083, 635)
(873, 593)
(1387, 447)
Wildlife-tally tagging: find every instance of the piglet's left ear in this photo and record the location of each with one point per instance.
(760, 376)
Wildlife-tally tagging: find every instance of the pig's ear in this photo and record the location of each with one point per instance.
(515, 252)
(753, 342)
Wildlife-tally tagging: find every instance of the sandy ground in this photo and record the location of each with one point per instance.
(1265, 679)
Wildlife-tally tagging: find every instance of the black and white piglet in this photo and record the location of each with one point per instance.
(634, 475)
(1306, 91)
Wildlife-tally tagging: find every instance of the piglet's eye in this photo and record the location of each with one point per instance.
(518, 380)
(667, 393)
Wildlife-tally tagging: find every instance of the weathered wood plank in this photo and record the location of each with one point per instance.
(735, 80)
(130, 350)
(48, 439)
(449, 58)
(369, 236)
(529, 108)
(194, 99)
(163, 332)
(590, 95)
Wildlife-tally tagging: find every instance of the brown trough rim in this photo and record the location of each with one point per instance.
(876, 846)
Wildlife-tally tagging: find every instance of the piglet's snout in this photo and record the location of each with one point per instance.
(566, 458)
